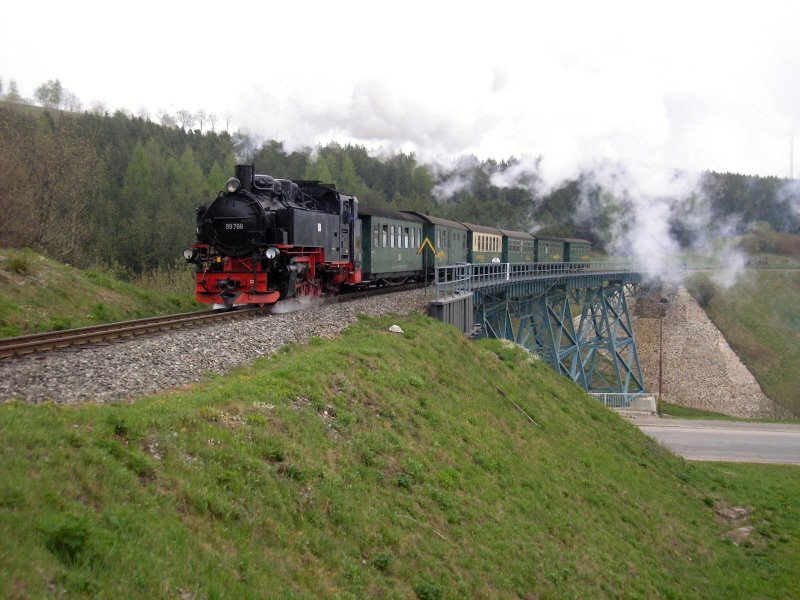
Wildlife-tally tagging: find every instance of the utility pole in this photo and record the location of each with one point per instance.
(661, 351)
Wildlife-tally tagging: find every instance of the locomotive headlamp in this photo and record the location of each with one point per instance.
(233, 185)
(188, 254)
(272, 253)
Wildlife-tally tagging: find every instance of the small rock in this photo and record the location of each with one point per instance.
(395, 329)
(740, 535)
(732, 514)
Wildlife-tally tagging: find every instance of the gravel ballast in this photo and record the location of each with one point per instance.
(148, 364)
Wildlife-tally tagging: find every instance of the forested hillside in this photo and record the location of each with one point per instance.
(88, 189)
(118, 190)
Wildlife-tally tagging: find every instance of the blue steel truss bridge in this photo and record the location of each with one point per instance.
(573, 316)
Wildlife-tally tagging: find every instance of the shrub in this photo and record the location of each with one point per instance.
(429, 591)
(66, 536)
(21, 264)
(382, 561)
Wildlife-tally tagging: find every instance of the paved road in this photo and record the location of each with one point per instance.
(726, 440)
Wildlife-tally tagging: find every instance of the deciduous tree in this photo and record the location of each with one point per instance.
(13, 94)
(98, 107)
(72, 103)
(49, 94)
(166, 119)
(185, 119)
(201, 117)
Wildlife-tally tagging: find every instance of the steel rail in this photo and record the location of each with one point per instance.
(52, 340)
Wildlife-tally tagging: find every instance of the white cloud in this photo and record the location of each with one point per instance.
(687, 84)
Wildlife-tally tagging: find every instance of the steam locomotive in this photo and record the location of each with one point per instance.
(264, 239)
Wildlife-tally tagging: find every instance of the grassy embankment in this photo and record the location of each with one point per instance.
(378, 465)
(684, 412)
(760, 318)
(38, 294)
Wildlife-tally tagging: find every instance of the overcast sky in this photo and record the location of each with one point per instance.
(704, 85)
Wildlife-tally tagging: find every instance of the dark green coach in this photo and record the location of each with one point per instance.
(390, 241)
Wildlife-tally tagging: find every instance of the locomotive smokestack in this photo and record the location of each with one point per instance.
(244, 173)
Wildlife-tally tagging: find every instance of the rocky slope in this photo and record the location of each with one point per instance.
(700, 368)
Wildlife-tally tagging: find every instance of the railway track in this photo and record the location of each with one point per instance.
(54, 340)
(41, 342)
(349, 296)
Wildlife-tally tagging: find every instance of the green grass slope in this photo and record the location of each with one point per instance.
(760, 318)
(378, 465)
(38, 294)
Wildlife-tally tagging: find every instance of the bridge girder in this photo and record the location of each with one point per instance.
(599, 353)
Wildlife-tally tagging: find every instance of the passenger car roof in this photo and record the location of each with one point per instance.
(389, 214)
(516, 234)
(482, 228)
(438, 221)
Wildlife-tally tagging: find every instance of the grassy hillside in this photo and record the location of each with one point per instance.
(38, 294)
(378, 465)
(760, 318)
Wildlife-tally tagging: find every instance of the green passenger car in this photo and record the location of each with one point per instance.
(448, 238)
(549, 249)
(390, 241)
(518, 247)
(577, 251)
(484, 244)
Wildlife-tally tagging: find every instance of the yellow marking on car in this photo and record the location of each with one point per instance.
(427, 242)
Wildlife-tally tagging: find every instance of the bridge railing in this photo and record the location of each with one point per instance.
(621, 400)
(455, 279)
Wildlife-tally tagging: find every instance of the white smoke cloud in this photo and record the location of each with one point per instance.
(648, 203)
(658, 217)
(295, 304)
(790, 196)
